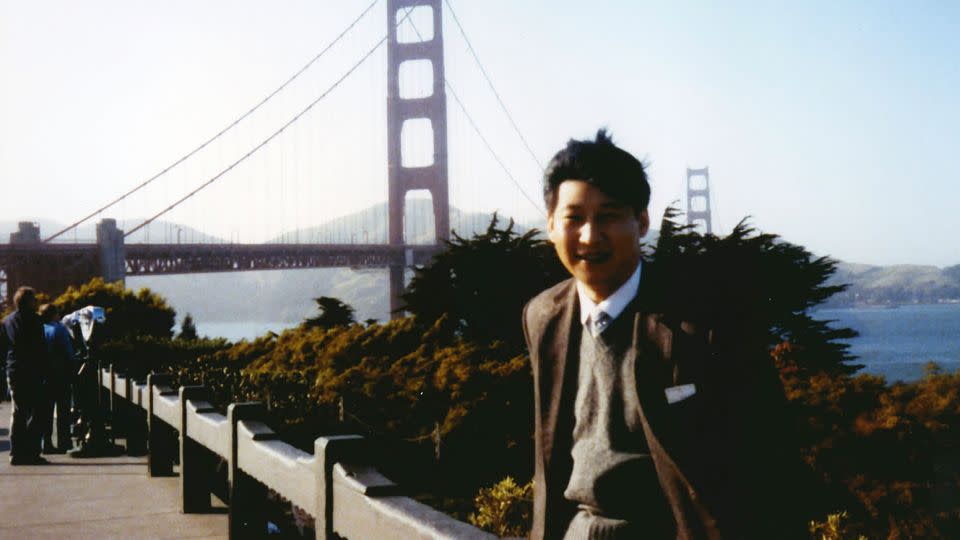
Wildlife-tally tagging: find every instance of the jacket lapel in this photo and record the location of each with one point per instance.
(558, 378)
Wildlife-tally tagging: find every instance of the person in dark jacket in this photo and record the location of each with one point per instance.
(58, 382)
(22, 344)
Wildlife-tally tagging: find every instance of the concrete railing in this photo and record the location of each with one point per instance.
(335, 484)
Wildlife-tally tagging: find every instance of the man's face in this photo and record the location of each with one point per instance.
(596, 237)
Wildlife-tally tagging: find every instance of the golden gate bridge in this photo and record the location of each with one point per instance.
(417, 92)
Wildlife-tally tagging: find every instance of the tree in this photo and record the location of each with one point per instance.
(482, 283)
(188, 330)
(129, 314)
(333, 312)
(755, 281)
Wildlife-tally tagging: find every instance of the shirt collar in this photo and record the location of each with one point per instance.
(612, 305)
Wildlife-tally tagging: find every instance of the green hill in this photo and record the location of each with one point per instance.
(893, 285)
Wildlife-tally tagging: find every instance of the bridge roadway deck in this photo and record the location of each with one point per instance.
(93, 498)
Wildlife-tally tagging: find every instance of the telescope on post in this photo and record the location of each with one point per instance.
(90, 435)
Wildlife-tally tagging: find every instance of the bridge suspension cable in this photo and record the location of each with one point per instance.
(274, 135)
(496, 94)
(476, 128)
(489, 147)
(220, 133)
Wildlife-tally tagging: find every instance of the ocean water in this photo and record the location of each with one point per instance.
(898, 342)
(895, 343)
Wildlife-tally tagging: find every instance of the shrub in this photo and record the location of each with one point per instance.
(129, 314)
(504, 509)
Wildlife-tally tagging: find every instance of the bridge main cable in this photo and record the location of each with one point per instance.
(271, 137)
(220, 133)
(476, 128)
(503, 106)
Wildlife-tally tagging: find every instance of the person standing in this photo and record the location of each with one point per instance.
(57, 385)
(22, 344)
(647, 424)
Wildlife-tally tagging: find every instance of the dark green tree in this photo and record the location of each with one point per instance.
(482, 283)
(129, 314)
(333, 312)
(752, 280)
(188, 330)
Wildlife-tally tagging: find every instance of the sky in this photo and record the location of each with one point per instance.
(833, 124)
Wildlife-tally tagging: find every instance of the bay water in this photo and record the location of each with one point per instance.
(898, 342)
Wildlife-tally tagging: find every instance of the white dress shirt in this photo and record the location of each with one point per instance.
(612, 305)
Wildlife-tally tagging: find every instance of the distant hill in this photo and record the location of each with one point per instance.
(892, 285)
(370, 225)
(158, 231)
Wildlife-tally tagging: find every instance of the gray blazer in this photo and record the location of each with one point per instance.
(717, 458)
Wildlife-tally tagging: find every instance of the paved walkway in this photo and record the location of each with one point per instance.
(93, 498)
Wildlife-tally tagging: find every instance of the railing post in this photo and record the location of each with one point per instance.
(161, 439)
(112, 403)
(196, 467)
(328, 451)
(100, 390)
(136, 422)
(246, 518)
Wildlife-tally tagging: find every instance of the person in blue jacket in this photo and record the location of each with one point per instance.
(57, 384)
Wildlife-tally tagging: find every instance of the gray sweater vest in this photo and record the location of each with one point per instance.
(613, 482)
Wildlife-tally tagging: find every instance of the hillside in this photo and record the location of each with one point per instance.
(158, 231)
(371, 223)
(898, 284)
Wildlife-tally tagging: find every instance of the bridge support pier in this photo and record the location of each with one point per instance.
(52, 268)
(408, 110)
(698, 199)
(396, 291)
(110, 251)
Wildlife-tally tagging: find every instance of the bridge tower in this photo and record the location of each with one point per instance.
(402, 114)
(52, 268)
(698, 198)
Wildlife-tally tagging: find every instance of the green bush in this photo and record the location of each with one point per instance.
(504, 509)
(129, 314)
(833, 528)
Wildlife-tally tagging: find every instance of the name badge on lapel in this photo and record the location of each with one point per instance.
(680, 393)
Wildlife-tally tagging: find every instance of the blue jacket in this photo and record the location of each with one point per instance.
(59, 349)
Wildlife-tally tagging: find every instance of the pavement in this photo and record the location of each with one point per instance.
(110, 497)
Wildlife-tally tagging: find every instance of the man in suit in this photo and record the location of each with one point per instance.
(647, 424)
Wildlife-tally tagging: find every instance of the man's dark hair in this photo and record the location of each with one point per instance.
(23, 297)
(602, 164)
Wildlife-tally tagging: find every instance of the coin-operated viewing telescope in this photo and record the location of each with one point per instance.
(82, 322)
(89, 433)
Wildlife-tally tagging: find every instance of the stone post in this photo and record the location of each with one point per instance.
(247, 496)
(327, 451)
(161, 437)
(136, 422)
(196, 464)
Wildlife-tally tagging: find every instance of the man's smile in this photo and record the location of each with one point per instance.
(594, 257)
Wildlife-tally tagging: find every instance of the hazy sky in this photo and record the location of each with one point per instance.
(833, 124)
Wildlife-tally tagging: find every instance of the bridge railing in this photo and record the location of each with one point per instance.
(336, 484)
